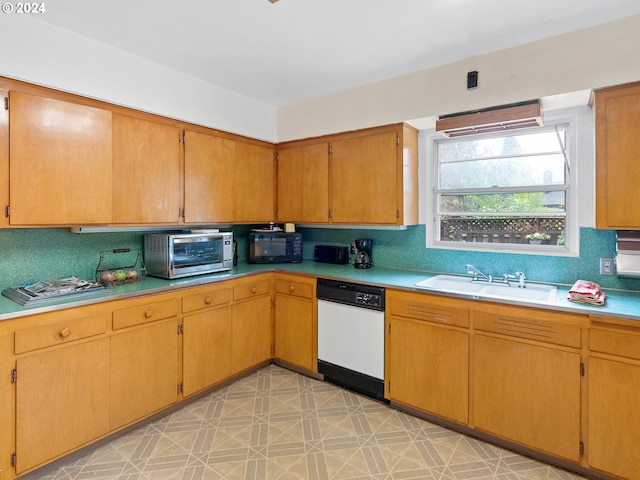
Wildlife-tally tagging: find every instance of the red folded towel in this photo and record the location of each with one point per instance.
(586, 292)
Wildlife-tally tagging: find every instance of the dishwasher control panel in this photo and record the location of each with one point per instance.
(347, 293)
(369, 299)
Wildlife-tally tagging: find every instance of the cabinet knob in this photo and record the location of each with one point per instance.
(148, 313)
(291, 288)
(65, 332)
(208, 299)
(254, 290)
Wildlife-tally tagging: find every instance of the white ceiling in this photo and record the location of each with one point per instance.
(298, 49)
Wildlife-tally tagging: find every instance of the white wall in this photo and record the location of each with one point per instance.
(606, 54)
(40, 53)
(43, 54)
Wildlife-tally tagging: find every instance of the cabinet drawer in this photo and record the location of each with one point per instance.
(59, 333)
(292, 287)
(206, 299)
(425, 307)
(149, 312)
(615, 342)
(528, 326)
(251, 289)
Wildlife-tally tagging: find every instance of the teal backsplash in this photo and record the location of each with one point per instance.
(33, 254)
(405, 249)
(29, 255)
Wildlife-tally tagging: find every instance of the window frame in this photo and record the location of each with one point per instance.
(572, 233)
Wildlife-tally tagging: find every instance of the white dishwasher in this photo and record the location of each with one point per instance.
(351, 335)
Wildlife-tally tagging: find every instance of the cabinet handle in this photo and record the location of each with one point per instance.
(148, 314)
(208, 299)
(254, 290)
(292, 288)
(65, 332)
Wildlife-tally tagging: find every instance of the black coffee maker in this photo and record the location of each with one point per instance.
(362, 250)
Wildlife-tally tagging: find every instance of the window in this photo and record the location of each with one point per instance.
(508, 191)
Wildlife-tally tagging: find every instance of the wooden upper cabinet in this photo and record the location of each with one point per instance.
(146, 171)
(303, 184)
(254, 183)
(371, 177)
(208, 178)
(618, 157)
(4, 157)
(364, 179)
(227, 180)
(60, 162)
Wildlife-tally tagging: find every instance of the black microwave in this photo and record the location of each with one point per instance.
(268, 246)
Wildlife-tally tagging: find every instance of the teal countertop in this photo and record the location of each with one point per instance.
(620, 303)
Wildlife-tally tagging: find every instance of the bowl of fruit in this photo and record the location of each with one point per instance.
(113, 269)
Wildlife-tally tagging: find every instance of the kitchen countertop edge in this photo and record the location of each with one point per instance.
(621, 305)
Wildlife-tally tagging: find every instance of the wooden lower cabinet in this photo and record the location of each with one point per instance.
(427, 359)
(510, 372)
(144, 357)
(429, 367)
(206, 339)
(206, 347)
(62, 401)
(251, 333)
(295, 321)
(144, 371)
(614, 417)
(613, 371)
(251, 327)
(528, 393)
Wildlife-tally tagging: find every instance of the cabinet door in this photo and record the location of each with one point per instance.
(303, 184)
(364, 181)
(618, 157)
(529, 394)
(62, 401)
(206, 349)
(60, 162)
(146, 171)
(144, 371)
(254, 183)
(251, 332)
(208, 178)
(429, 367)
(294, 331)
(614, 417)
(4, 158)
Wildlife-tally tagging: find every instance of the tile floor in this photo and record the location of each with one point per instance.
(277, 425)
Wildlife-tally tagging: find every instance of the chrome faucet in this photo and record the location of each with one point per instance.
(521, 278)
(478, 276)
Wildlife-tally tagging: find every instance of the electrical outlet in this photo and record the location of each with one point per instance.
(606, 266)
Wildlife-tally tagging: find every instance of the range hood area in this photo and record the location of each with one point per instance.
(628, 253)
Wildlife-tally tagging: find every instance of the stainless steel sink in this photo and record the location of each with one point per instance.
(464, 285)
